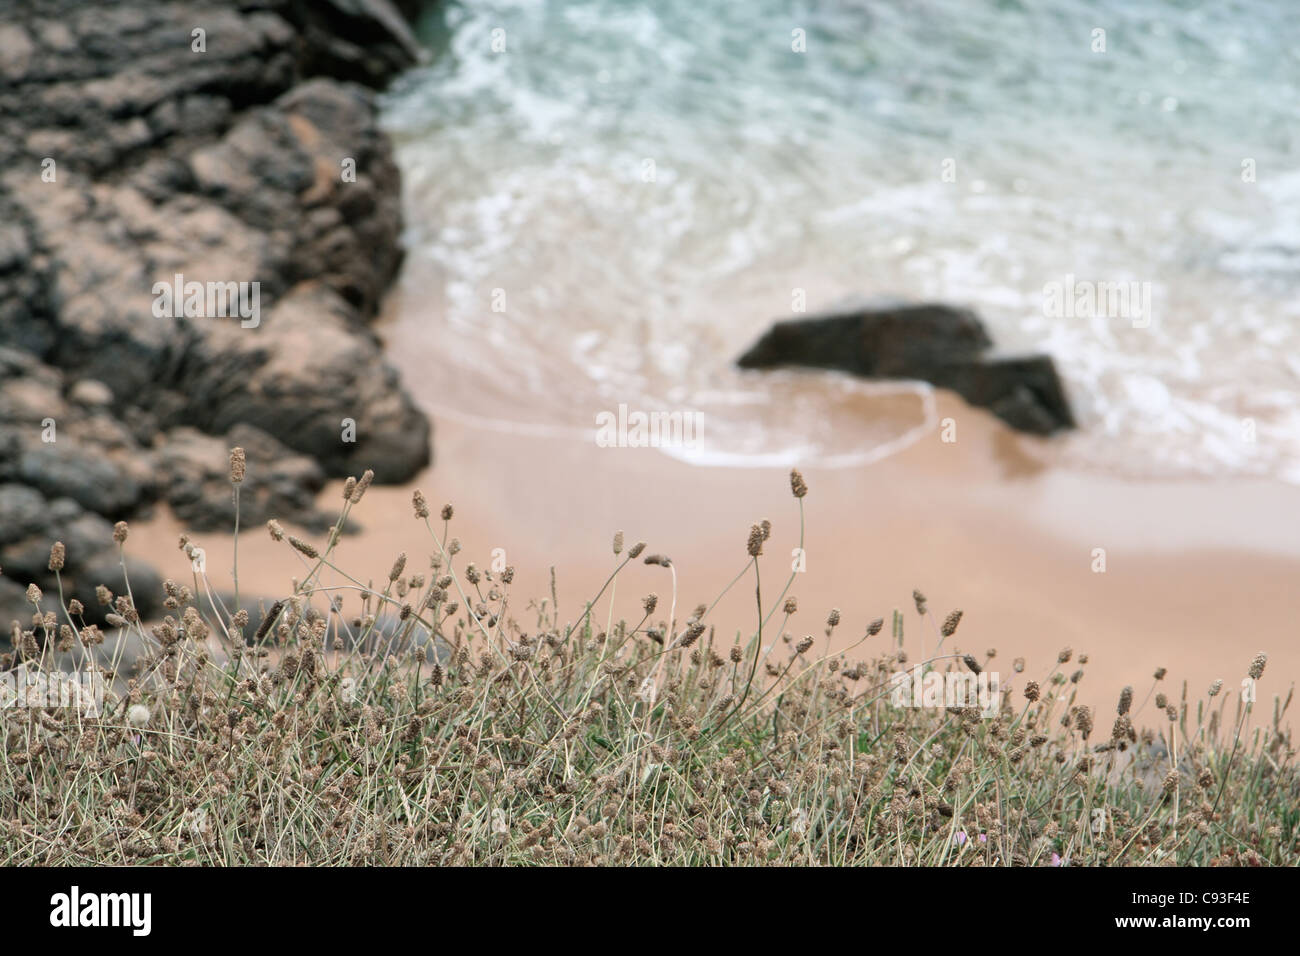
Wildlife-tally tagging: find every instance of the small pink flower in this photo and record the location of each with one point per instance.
(959, 838)
(984, 838)
(1056, 859)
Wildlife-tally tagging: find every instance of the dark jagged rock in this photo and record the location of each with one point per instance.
(884, 342)
(366, 41)
(128, 157)
(939, 344)
(1023, 391)
(112, 465)
(66, 444)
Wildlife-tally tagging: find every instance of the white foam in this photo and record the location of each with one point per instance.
(775, 172)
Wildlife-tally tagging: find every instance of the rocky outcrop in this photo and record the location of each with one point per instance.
(939, 344)
(234, 144)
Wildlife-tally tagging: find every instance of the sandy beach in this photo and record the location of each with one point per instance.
(1199, 576)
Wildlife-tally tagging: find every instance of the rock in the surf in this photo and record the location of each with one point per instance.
(939, 344)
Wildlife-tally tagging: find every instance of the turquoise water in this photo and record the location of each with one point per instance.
(642, 188)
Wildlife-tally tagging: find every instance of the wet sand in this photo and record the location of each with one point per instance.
(1199, 575)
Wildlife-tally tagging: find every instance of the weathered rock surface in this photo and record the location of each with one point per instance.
(130, 156)
(32, 522)
(939, 344)
(194, 470)
(67, 442)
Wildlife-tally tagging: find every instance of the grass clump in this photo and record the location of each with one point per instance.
(430, 726)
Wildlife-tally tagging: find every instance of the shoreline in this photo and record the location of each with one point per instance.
(974, 525)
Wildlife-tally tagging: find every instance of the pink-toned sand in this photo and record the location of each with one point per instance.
(1200, 575)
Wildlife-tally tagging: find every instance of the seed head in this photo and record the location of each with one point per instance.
(1083, 720)
(755, 544)
(791, 605)
(618, 542)
(1064, 656)
(138, 715)
(1125, 700)
(650, 602)
(919, 599)
(447, 512)
(1123, 729)
(635, 551)
(398, 567)
(268, 620)
(303, 547)
(798, 487)
(237, 464)
(421, 506)
(362, 484)
(693, 632)
(803, 645)
(1257, 666)
(1160, 673)
(120, 531)
(874, 627)
(950, 624)
(1215, 688)
(1031, 690)
(274, 529)
(57, 554)
(833, 619)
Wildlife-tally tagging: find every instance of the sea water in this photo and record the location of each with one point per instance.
(606, 202)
